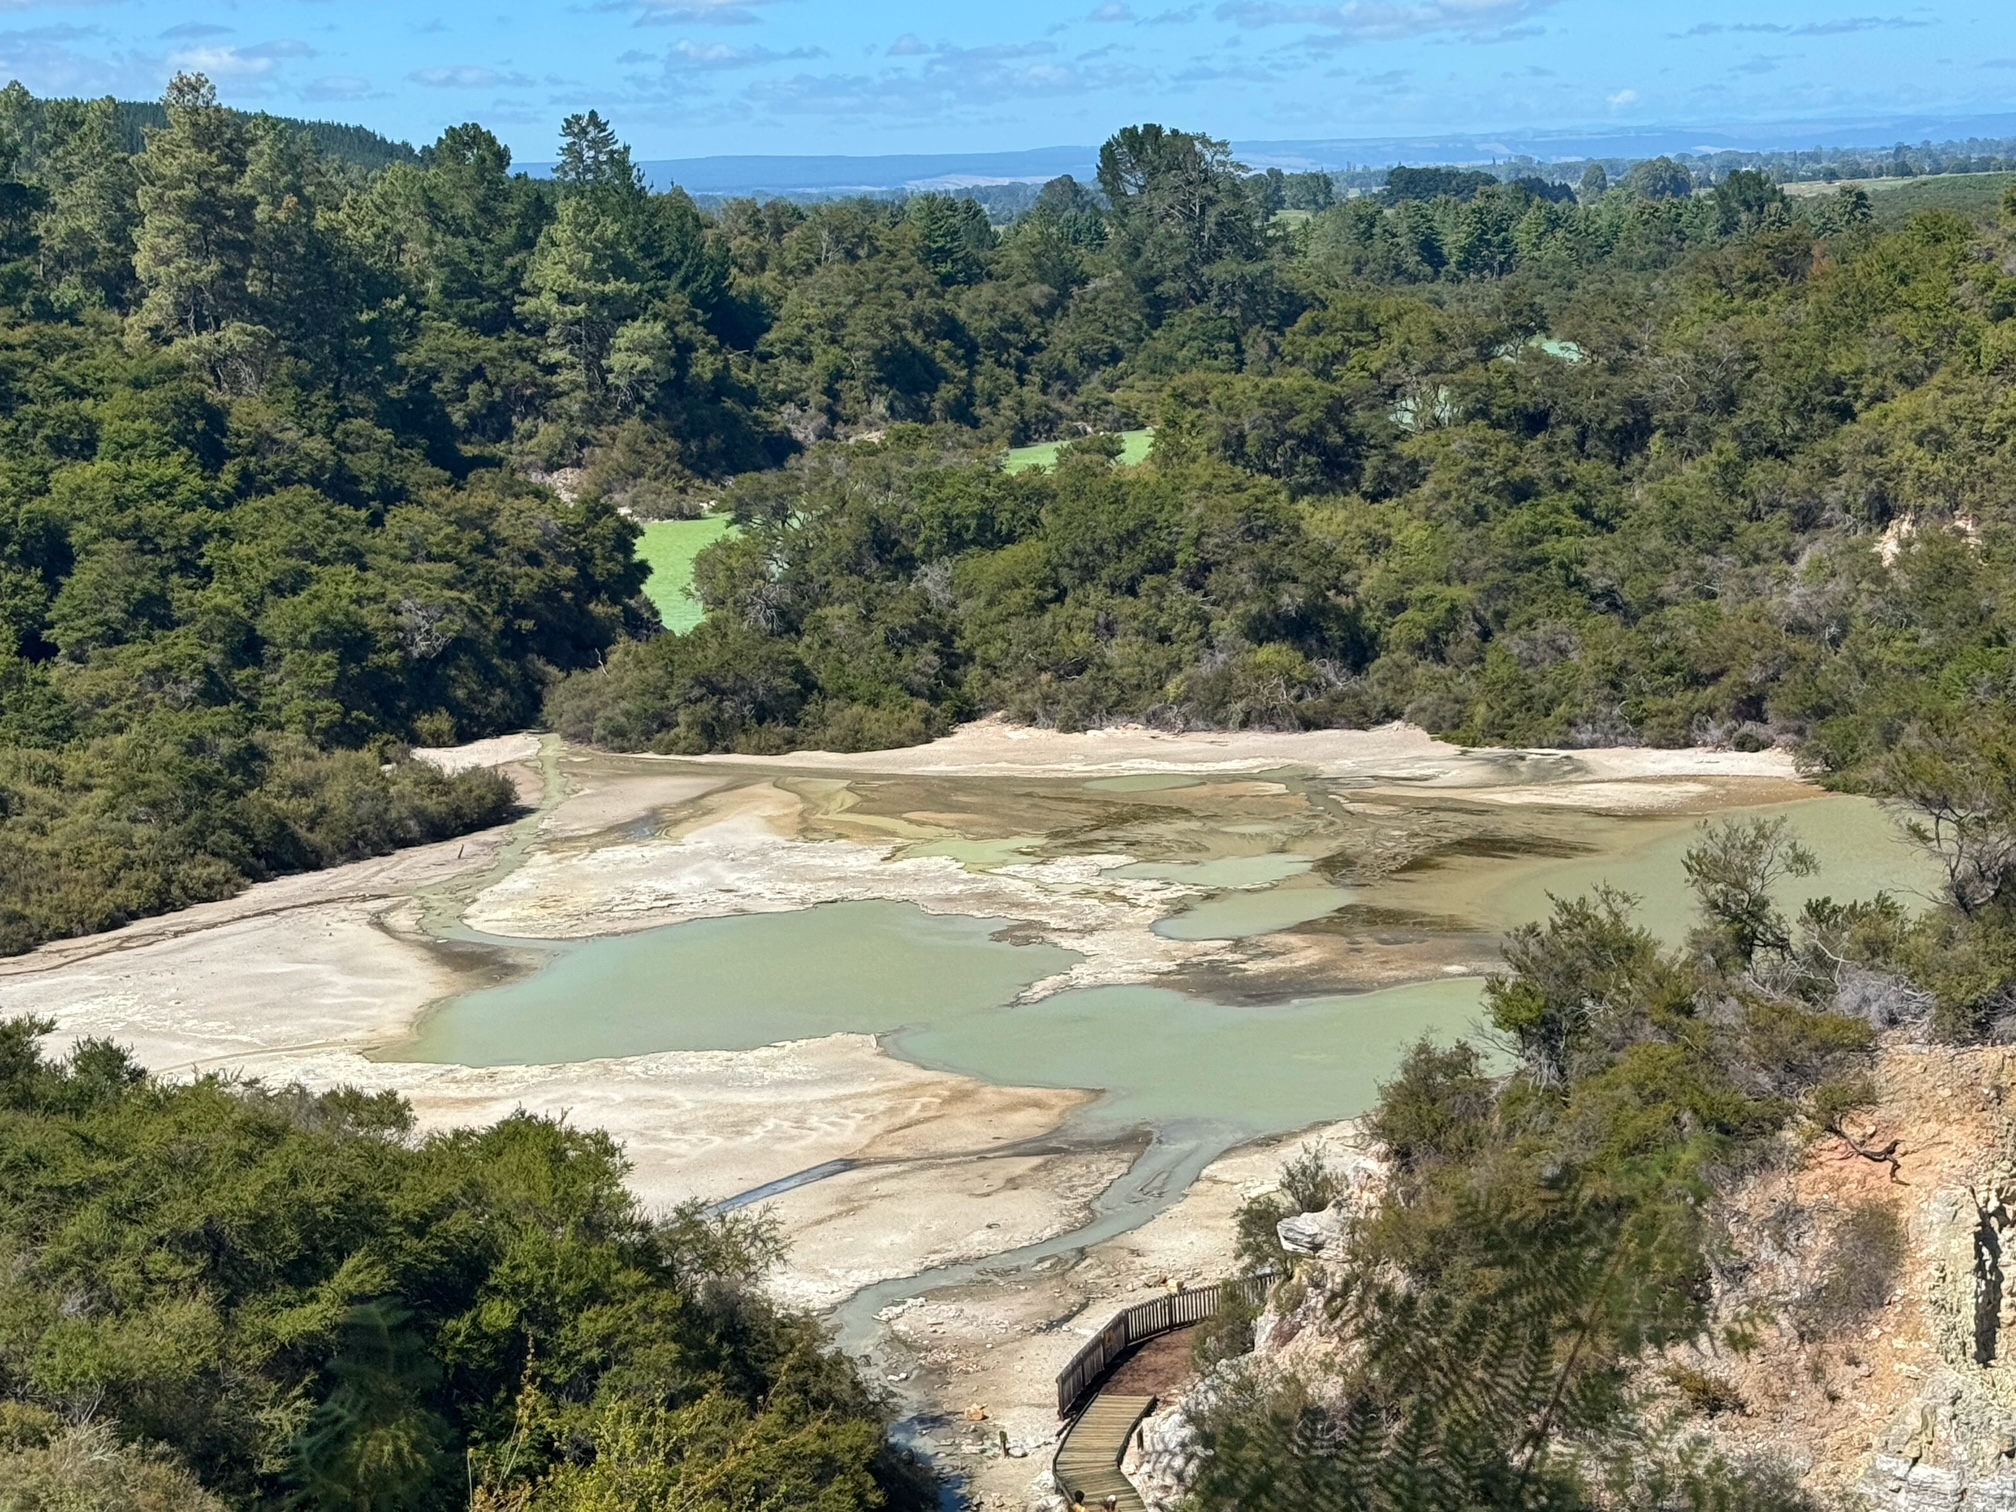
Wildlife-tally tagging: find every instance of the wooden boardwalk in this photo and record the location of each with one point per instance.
(1088, 1458)
(1088, 1461)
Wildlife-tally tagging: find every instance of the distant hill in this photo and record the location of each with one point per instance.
(843, 175)
(834, 174)
(359, 145)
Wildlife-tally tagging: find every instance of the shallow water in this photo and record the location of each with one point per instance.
(1232, 871)
(1241, 915)
(1165, 1057)
(943, 989)
(738, 983)
(1859, 848)
(1147, 782)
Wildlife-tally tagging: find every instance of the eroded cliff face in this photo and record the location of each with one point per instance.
(1880, 1374)
(1865, 1303)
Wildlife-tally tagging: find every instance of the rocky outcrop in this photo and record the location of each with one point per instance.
(1168, 1451)
(1313, 1233)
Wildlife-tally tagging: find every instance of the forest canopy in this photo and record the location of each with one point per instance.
(309, 458)
(258, 1297)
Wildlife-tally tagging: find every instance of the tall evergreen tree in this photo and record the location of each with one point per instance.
(592, 159)
(87, 232)
(198, 216)
(1178, 208)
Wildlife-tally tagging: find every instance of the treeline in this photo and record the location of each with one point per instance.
(1783, 166)
(222, 1296)
(1518, 465)
(1657, 468)
(30, 122)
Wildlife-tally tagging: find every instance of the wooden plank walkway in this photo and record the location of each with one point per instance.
(1088, 1461)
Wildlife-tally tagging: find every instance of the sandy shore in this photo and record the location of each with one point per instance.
(995, 748)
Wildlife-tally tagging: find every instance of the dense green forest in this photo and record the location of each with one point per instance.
(1518, 464)
(27, 121)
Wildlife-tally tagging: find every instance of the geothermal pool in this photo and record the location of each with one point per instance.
(953, 992)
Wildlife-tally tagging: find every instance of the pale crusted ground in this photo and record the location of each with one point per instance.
(994, 747)
(300, 978)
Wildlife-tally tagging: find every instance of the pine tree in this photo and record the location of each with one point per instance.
(87, 233)
(582, 285)
(198, 216)
(592, 160)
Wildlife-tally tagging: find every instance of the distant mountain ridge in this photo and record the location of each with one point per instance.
(881, 173)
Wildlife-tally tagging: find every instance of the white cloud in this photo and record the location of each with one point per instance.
(1842, 27)
(1624, 99)
(239, 63)
(1386, 20)
(686, 56)
(692, 12)
(909, 45)
(467, 76)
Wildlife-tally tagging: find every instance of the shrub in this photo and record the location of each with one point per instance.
(1708, 1395)
(1861, 1255)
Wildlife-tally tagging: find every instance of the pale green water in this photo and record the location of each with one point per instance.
(737, 983)
(1169, 1058)
(1240, 915)
(668, 547)
(1135, 446)
(1146, 782)
(1231, 871)
(1859, 849)
(978, 855)
(938, 986)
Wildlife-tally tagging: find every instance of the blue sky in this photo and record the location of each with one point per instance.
(685, 78)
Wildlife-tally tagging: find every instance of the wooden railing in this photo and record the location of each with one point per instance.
(1144, 1321)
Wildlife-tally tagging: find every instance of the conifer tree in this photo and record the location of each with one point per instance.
(592, 160)
(198, 216)
(87, 232)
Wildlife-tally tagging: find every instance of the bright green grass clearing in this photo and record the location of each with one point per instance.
(1134, 446)
(668, 548)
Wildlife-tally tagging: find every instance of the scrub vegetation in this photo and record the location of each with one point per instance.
(1650, 461)
(288, 1300)
(1545, 1237)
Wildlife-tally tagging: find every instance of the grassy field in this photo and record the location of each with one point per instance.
(1134, 446)
(1977, 196)
(668, 548)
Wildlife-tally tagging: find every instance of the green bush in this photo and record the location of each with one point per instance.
(1860, 1256)
(301, 1303)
